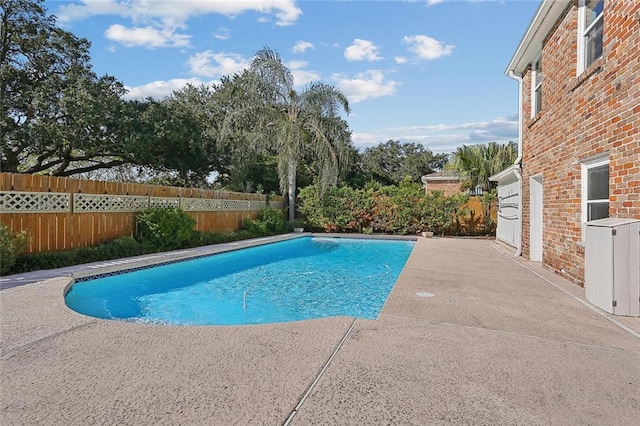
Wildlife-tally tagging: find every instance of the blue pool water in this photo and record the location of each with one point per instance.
(298, 279)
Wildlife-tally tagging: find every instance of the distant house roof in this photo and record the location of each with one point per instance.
(446, 175)
(531, 44)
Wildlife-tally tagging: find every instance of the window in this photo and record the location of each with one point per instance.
(536, 87)
(476, 191)
(589, 32)
(595, 190)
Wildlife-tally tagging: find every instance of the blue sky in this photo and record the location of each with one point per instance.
(429, 72)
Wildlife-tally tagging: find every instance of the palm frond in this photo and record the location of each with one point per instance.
(275, 78)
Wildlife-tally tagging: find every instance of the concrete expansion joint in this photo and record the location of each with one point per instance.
(577, 299)
(317, 379)
(513, 333)
(10, 353)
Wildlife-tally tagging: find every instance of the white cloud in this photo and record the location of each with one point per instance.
(426, 47)
(146, 36)
(365, 86)
(161, 89)
(155, 23)
(211, 64)
(362, 50)
(302, 46)
(87, 8)
(296, 64)
(300, 75)
(400, 60)
(433, 2)
(223, 34)
(285, 11)
(444, 138)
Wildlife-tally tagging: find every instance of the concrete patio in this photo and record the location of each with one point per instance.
(502, 341)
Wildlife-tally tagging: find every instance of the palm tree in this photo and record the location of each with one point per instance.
(300, 124)
(476, 163)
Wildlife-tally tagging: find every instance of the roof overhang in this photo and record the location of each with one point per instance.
(507, 175)
(440, 178)
(531, 44)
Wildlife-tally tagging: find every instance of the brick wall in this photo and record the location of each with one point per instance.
(582, 116)
(448, 186)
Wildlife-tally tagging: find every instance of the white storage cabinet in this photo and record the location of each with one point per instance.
(612, 265)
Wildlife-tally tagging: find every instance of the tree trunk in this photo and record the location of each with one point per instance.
(292, 189)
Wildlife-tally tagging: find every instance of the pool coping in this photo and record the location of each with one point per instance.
(88, 271)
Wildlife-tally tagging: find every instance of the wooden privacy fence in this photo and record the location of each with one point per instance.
(65, 213)
(474, 222)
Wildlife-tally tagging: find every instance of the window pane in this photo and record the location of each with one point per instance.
(594, 9)
(594, 43)
(538, 70)
(539, 99)
(597, 211)
(598, 183)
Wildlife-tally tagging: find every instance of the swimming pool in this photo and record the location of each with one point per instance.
(302, 278)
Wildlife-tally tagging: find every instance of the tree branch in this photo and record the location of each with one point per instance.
(91, 168)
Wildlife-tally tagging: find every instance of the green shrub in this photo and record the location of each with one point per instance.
(165, 228)
(199, 238)
(243, 234)
(342, 209)
(114, 249)
(402, 209)
(254, 226)
(11, 245)
(439, 211)
(399, 208)
(269, 221)
(273, 219)
(121, 247)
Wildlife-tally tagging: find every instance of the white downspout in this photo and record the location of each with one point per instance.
(519, 80)
(518, 161)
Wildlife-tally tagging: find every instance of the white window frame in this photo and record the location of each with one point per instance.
(583, 31)
(591, 163)
(536, 85)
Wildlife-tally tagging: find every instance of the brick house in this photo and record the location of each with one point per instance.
(578, 68)
(444, 180)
